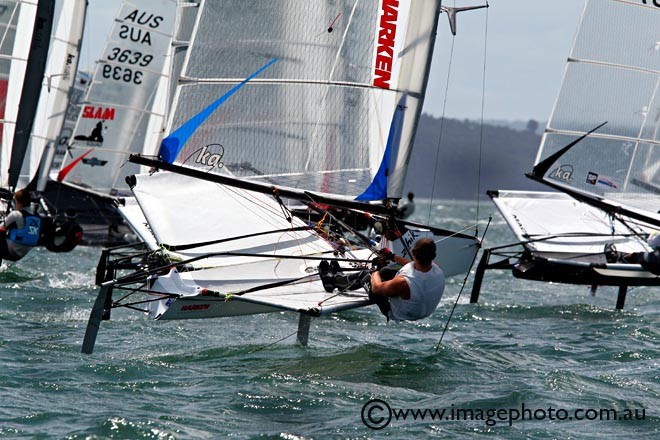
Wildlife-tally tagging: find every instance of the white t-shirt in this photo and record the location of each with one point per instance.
(426, 289)
(406, 210)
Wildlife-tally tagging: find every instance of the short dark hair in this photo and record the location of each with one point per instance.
(424, 250)
(23, 197)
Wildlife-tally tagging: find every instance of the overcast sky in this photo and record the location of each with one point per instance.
(526, 48)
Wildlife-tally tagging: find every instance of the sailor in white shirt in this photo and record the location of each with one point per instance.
(416, 289)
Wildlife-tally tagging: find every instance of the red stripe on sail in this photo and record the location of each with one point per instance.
(67, 169)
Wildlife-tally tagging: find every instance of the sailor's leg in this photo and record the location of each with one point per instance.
(326, 277)
(651, 262)
(4, 250)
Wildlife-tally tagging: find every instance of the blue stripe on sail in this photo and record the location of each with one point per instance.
(377, 190)
(172, 144)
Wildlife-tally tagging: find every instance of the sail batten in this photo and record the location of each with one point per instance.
(615, 65)
(602, 136)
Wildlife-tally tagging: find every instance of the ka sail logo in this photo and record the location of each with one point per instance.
(211, 156)
(563, 173)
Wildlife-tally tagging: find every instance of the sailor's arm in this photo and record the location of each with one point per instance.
(398, 259)
(397, 286)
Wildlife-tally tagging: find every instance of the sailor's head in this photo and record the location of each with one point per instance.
(22, 197)
(411, 196)
(424, 251)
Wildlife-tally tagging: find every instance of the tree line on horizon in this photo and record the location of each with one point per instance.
(445, 161)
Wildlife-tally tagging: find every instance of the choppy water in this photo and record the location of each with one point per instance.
(526, 343)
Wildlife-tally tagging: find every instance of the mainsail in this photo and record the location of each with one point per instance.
(125, 105)
(612, 76)
(57, 87)
(8, 97)
(320, 117)
(41, 74)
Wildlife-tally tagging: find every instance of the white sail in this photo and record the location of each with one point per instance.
(78, 92)
(554, 225)
(346, 77)
(612, 76)
(61, 67)
(17, 19)
(125, 105)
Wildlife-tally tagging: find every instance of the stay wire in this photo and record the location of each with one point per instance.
(467, 274)
(442, 124)
(481, 130)
(263, 347)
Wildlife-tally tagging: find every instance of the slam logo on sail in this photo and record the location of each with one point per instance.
(386, 37)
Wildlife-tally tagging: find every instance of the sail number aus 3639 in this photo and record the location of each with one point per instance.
(130, 57)
(119, 73)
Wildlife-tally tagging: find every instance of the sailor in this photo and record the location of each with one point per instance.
(648, 260)
(21, 229)
(407, 207)
(410, 293)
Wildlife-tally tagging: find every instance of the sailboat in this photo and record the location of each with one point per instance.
(123, 112)
(313, 102)
(39, 74)
(600, 151)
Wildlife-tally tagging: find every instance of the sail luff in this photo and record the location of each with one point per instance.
(34, 75)
(16, 20)
(184, 67)
(539, 152)
(57, 88)
(419, 44)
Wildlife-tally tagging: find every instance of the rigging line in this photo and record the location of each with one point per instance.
(251, 199)
(288, 215)
(237, 237)
(264, 286)
(365, 240)
(467, 274)
(272, 343)
(442, 124)
(456, 233)
(481, 131)
(155, 270)
(339, 293)
(335, 63)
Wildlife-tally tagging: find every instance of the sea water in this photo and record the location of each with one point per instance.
(530, 360)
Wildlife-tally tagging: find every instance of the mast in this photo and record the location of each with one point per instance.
(34, 75)
(422, 30)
